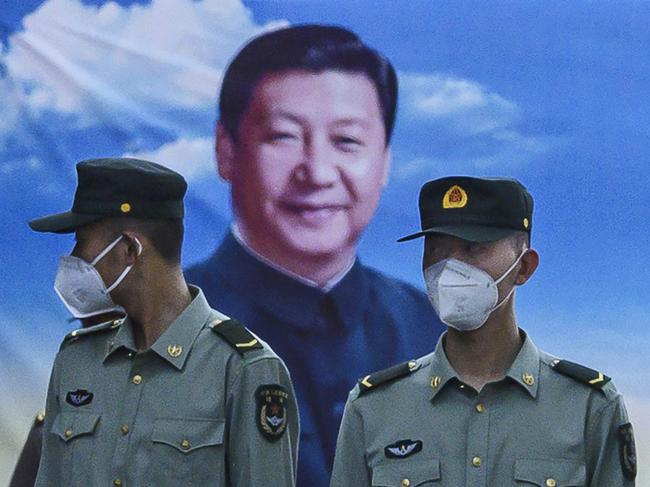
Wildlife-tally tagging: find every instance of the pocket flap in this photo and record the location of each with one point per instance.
(561, 473)
(187, 435)
(68, 425)
(418, 472)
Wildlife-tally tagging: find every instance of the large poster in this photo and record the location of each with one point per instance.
(555, 95)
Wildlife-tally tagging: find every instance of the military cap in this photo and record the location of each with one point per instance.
(119, 187)
(474, 209)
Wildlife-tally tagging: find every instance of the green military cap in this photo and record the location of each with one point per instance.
(119, 187)
(474, 209)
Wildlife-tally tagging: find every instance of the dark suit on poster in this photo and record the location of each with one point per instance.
(328, 340)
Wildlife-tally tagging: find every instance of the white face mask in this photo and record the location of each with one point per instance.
(82, 289)
(462, 295)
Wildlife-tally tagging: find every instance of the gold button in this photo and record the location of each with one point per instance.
(137, 379)
(124, 429)
(526, 223)
(412, 364)
(480, 408)
(68, 433)
(185, 444)
(125, 208)
(462, 386)
(476, 461)
(406, 483)
(117, 482)
(551, 483)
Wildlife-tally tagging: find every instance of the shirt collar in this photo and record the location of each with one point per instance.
(175, 343)
(524, 369)
(291, 300)
(440, 369)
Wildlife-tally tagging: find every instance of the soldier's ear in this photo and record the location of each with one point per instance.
(528, 264)
(133, 247)
(225, 152)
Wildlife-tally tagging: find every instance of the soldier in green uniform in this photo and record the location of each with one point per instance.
(486, 407)
(174, 394)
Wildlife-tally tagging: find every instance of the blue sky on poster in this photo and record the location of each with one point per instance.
(557, 95)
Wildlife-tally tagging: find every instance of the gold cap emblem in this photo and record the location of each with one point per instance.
(174, 350)
(455, 197)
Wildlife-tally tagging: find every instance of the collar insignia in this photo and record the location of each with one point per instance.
(174, 350)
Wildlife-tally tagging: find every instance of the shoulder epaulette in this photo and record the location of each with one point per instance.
(583, 374)
(372, 381)
(108, 325)
(236, 335)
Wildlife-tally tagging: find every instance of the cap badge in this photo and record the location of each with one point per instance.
(455, 197)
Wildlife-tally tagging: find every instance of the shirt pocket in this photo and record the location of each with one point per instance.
(404, 473)
(550, 473)
(189, 451)
(76, 431)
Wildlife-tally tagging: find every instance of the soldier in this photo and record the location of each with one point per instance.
(174, 394)
(487, 407)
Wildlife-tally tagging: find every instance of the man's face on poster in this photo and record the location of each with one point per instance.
(309, 162)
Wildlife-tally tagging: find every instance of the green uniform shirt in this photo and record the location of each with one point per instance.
(188, 411)
(536, 427)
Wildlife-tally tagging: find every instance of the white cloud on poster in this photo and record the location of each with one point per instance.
(469, 111)
(464, 104)
(193, 158)
(137, 62)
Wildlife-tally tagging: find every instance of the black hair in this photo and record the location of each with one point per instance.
(310, 47)
(166, 234)
(520, 241)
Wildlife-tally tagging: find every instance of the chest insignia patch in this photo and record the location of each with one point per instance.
(80, 397)
(403, 448)
(272, 410)
(628, 450)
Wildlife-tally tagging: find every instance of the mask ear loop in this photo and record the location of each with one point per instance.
(128, 268)
(514, 264)
(106, 251)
